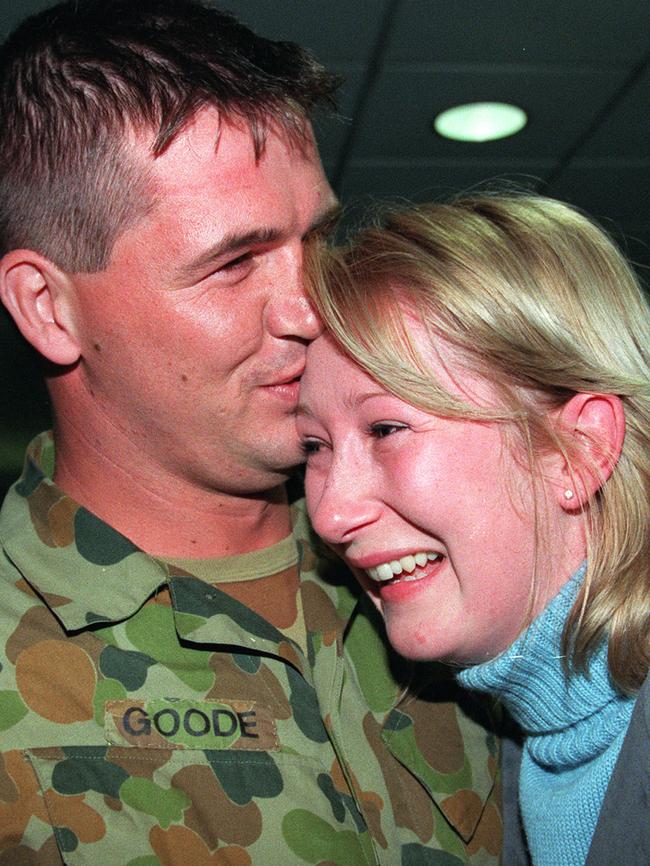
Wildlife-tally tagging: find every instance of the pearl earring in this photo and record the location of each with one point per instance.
(568, 494)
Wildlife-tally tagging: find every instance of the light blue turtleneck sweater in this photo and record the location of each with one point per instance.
(574, 728)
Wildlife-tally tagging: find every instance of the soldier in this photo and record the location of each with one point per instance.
(186, 677)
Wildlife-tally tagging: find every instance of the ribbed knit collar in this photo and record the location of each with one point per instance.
(555, 709)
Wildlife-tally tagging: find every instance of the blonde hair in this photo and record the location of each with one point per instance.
(537, 300)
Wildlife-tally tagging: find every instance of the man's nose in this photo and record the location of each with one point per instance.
(289, 312)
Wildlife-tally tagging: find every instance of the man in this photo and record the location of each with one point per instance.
(186, 677)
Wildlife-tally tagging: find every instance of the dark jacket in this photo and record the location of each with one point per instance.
(623, 831)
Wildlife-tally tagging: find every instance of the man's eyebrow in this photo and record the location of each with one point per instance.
(235, 241)
(228, 244)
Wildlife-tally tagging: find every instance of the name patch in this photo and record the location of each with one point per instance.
(169, 723)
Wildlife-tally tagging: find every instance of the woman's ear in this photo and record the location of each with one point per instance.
(595, 426)
(39, 296)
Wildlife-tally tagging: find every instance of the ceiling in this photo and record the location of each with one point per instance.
(580, 69)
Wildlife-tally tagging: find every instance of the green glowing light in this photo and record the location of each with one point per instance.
(480, 121)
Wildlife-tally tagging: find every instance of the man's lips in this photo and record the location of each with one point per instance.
(289, 376)
(285, 387)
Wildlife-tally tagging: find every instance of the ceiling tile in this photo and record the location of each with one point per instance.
(11, 14)
(607, 190)
(626, 129)
(594, 32)
(429, 180)
(335, 30)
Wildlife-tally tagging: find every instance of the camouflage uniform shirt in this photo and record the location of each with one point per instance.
(153, 716)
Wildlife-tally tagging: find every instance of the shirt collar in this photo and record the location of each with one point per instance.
(85, 571)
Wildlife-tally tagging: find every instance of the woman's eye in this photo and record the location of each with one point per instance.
(383, 429)
(310, 446)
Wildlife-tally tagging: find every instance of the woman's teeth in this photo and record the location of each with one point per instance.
(389, 570)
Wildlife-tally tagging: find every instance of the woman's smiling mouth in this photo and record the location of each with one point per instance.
(406, 567)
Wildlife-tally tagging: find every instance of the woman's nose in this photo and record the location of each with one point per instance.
(340, 509)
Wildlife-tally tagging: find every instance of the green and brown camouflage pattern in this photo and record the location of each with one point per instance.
(151, 718)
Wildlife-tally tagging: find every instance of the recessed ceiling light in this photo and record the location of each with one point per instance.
(480, 121)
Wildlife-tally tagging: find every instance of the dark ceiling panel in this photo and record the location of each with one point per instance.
(598, 33)
(625, 132)
(336, 30)
(608, 190)
(400, 111)
(422, 180)
(615, 194)
(12, 13)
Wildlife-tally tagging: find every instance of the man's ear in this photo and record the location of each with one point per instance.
(39, 296)
(595, 423)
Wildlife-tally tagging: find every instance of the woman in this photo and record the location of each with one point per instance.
(477, 428)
